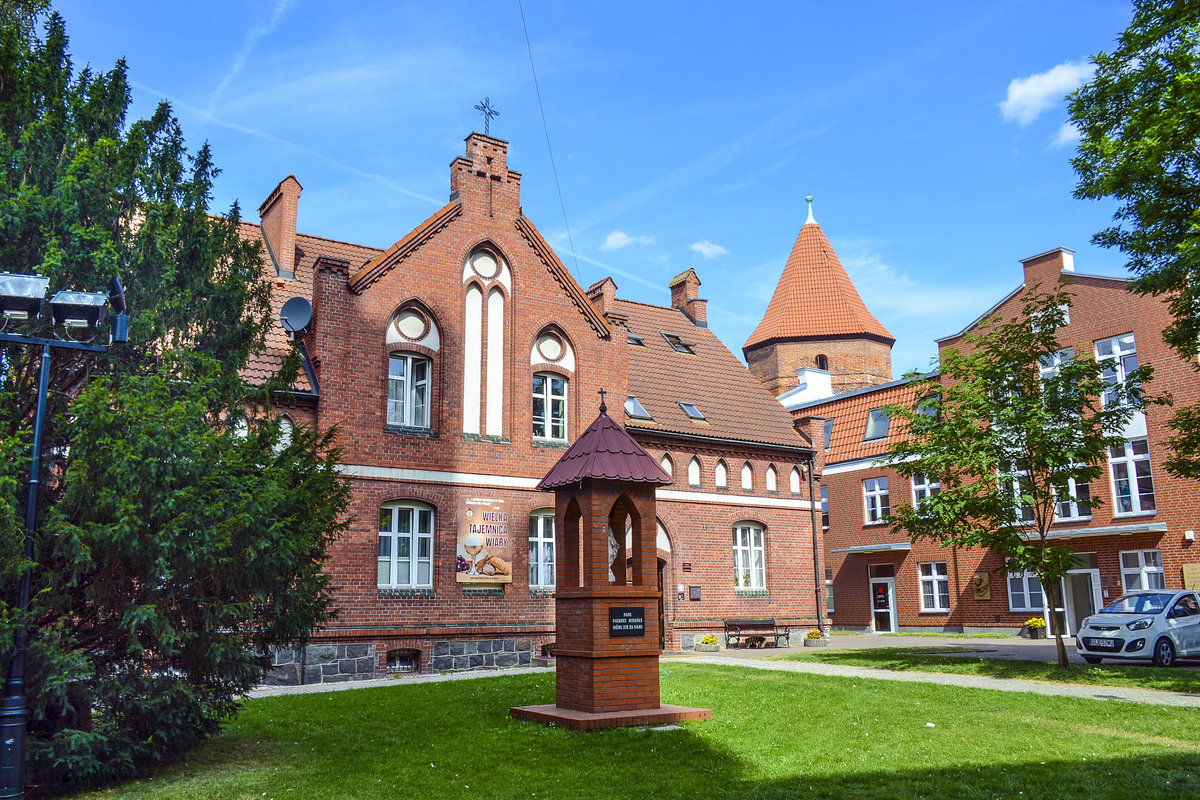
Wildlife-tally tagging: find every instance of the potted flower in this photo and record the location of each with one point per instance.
(1036, 626)
(814, 639)
(707, 644)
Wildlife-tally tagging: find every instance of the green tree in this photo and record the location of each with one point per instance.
(179, 536)
(1013, 427)
(1139, 124)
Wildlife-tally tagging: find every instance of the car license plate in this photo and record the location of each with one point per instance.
(1101, 644)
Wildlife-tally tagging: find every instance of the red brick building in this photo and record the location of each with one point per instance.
(459, 364)
(1141, 536)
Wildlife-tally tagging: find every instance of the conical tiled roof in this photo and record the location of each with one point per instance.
(604, 451)
(815, 298)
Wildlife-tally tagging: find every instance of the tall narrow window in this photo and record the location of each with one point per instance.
(749, 571)
(694, 472)
(541, 549)
(828, 432)
(794, 480)
(875, 497)
(405, 546)
(1142, 569)
(667, 465)
(408, 390)
(721, 476)
(829, 589)
(1133, 485)
(1119, 357)
(286, 428)
(825, 508)
(747, 477)
(473, 360)
(772, 479)
(495, 363)
(549, 406)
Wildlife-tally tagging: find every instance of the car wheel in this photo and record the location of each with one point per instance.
(1164, 653)
(1093, 659)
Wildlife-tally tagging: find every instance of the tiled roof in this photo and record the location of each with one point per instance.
(849, 413)
(605, 451)
(815, 298)
(734, 404)
(264, 364)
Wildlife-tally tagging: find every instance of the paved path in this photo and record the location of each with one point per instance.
(1149, 696)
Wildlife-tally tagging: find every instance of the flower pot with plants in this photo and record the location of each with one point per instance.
(814, 639)
(1036, 627)
(707, 644)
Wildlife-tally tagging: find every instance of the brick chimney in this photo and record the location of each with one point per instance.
(1046, 268)
(602, 294)
(278, 215)
(685, 289)
(481, 180)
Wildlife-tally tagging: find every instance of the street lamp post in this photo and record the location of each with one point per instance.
(22, 298)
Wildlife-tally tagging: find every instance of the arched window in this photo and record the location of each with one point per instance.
(771, 479)
(747, 477)
(794, 480)
(694, 472)
(822, 362)
(549, 406)
(541, 549)
(284, 441)
(667, 465)
(721, 476)
(749, 568)
(408, 390)
(405, 546)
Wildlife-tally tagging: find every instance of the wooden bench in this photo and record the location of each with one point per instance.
(755, 633)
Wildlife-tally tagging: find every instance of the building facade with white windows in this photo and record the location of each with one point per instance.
(1141, 533)
(458, 366)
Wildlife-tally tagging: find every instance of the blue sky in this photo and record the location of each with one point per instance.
(685, 135)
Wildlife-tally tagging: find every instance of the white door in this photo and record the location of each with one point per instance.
(883, 605)
(1080, 597)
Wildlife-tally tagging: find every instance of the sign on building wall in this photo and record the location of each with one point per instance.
(1191, 576)
(484, 552)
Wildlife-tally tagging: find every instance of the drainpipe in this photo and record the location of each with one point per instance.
(818, 575)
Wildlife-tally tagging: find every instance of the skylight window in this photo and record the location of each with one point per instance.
(635, 409)
(877, 424)
(828, 432)
(633, 338)
(692, 412)
(678, 344)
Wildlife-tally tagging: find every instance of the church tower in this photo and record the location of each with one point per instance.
(816, 320)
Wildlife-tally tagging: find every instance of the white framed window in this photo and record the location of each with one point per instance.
(1133, 484)
(935, 586)
(825, 508)
(1142, 569)
(1018, 477)
(286, 428)
(1118, 354)
(721, 476)
(772, 479)
(749, 569)
(1025, 592)
(405, 546)
(794, 480)
(408, 390)
(694, 472)
(747, 477)
(877, 424)
(875, 500)
(1066, 508)
(549, 406)
(923, 487)
(541, 549)
(829, 588)
(1051, 365)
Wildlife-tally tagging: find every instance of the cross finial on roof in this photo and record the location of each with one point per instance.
(488, 112)
(810, 216)
(603, 408)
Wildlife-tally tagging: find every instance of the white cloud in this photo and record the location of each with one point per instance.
(709, 250)
(618, 239)
(1067, 136)
(1029, 97)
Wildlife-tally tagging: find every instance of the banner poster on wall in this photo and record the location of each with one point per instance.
(484, 552)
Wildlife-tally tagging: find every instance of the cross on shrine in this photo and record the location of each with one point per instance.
(603, 408)
(488, 112)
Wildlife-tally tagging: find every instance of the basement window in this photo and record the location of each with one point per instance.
(678, 344)
(692, 412)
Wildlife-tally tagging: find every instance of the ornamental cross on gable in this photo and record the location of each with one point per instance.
(488, 112)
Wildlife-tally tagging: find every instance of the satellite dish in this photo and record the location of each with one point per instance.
(295, 315)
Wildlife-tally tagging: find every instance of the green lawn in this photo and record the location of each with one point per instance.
(773, 735)
(936, 659)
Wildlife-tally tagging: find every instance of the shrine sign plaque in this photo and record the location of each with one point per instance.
(627, 621)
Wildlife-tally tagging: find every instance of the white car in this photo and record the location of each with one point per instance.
(1159, 625)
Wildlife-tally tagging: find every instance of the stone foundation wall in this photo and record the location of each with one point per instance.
(460, 654)
(321, 663)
